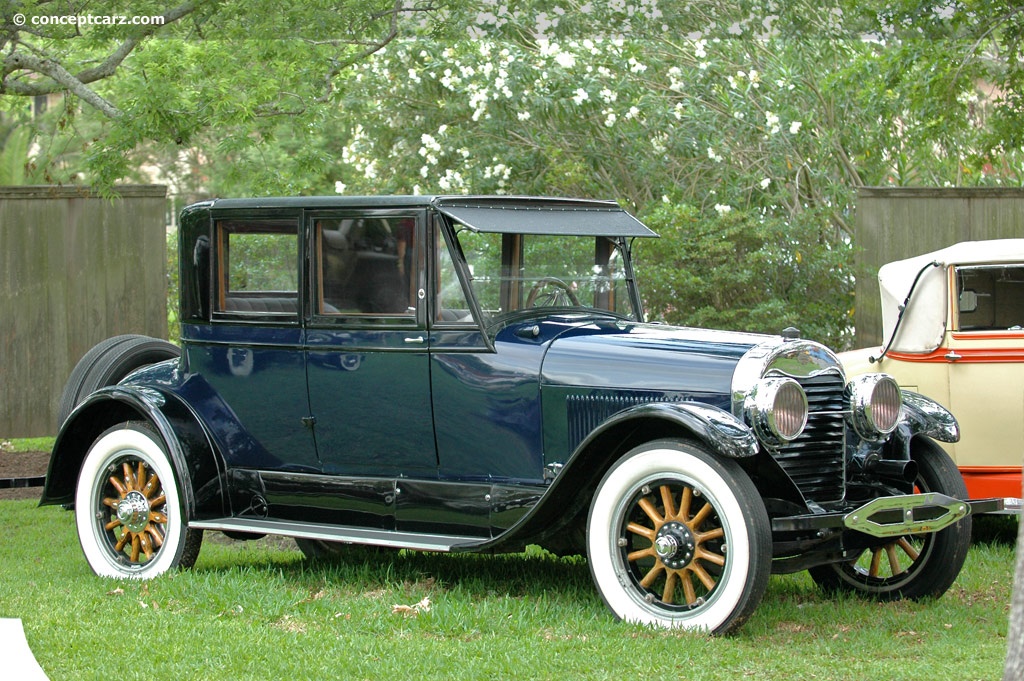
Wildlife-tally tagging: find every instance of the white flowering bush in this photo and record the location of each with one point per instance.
(737, 122)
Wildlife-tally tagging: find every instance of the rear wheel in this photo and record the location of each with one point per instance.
(128, 507)
(915, 565)
(679, 538)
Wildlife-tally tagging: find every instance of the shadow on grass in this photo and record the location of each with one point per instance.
(999, 530)
(368, 567)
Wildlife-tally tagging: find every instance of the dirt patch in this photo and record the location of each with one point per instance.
(23, 465)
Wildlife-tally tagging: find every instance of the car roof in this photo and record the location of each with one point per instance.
(924, 321)
(501, 214)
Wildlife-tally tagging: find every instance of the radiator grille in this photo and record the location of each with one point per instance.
(815, 460)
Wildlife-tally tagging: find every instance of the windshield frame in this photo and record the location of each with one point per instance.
(605, 249)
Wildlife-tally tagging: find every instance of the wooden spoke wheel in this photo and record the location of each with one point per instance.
(128, 507)
(911, 566)
(674, 544)
(679, 538)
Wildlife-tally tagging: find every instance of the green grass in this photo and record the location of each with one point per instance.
(30, 444)
(259, 611)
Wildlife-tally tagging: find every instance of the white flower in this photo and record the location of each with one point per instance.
(722, 208)
(339, 187)
(698, 49)
(632, 113)
(794, 127)
(608, 96)
(635, 66)
(609, 119)
(772, 121)
(580, 96)
(765, 182)
(565, 60)
(713, 156)
(523, 115)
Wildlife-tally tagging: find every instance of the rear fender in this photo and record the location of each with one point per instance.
(196, 463)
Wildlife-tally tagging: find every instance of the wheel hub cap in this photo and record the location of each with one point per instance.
(675, 545)
(133, 511)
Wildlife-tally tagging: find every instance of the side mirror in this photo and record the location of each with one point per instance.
(968, 301)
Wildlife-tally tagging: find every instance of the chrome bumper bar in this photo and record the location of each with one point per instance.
(894, 516)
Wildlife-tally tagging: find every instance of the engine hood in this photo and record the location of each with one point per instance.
(631, 356)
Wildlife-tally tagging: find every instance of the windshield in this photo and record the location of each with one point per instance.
(515, 272)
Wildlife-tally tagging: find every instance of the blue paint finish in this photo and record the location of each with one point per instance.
(487, 410)
(369, 391)
(258, 373)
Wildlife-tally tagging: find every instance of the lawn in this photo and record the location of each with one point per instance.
(258, 610)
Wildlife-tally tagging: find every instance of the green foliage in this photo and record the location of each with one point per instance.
(743, 270)
(173, 289)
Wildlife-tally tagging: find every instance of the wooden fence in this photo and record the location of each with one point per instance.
(75, 269)
(894, 223)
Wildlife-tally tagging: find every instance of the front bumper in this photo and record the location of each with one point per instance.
(893, 516)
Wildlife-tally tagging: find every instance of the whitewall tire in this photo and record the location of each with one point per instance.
(128, 507)
(679, 538)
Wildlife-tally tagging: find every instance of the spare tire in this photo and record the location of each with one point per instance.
(107, 363)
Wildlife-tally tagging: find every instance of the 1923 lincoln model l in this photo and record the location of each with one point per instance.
(475, 374)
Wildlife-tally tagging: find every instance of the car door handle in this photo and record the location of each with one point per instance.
(952, 356)
(417, 339)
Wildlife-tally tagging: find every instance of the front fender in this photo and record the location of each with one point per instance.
(187, 444)
(569, 494)
(924, 416)
(722, 432)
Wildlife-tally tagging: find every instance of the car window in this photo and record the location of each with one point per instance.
(517, 272)
(452, 306)
(366, 266)
(258, 266)
(990, 297)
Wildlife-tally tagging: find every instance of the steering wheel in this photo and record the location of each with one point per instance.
(552, 297)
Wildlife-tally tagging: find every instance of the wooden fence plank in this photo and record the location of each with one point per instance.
(77, 268)
(893, 223)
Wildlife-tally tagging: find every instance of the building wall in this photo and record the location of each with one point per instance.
(74, 269)
(894, 223)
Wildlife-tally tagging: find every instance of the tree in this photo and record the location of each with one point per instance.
(180, 74)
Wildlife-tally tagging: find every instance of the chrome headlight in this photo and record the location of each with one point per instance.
(875, 404)
(777, 410)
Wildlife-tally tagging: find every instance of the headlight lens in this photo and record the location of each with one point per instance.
(777, 410)
(875, 404)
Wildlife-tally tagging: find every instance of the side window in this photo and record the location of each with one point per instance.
(990, 298)
(367, 266)
(452, 306)
(258, 266)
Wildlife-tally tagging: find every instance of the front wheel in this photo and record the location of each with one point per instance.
(128, 508)
(913, 566)
(679, 538)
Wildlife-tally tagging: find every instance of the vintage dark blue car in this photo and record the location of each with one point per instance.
(475, 374)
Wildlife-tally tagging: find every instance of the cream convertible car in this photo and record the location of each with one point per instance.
(953, 322)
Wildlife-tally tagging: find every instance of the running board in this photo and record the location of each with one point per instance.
(350, 535)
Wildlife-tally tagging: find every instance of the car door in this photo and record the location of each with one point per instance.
(985, 356)
(251, 352)
(367, 362)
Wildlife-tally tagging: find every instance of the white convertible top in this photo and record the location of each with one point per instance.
(924, 322)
